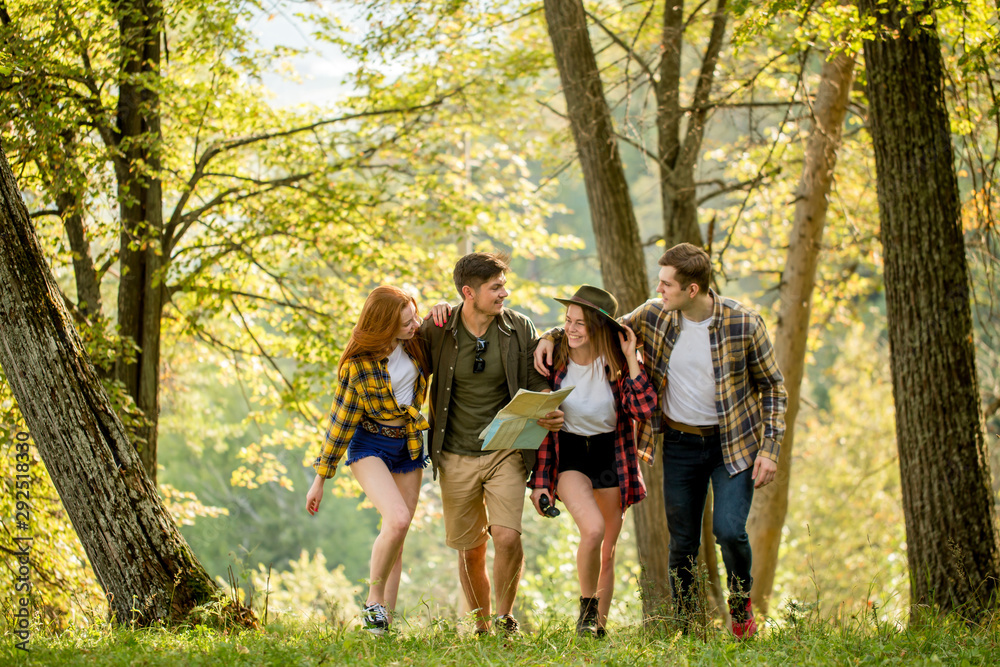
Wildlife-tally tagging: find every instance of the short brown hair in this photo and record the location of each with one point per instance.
(476, 268)
(691, 264)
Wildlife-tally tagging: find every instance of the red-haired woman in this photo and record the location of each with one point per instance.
(592, 463)
(375, 418)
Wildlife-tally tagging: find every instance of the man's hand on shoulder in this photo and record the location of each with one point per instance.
(543, 356)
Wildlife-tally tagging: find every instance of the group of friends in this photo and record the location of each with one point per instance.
(690, 365)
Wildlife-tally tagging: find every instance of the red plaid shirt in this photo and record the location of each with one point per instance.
(634, 399)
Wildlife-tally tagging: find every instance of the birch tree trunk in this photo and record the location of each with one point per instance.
(770, 503)
(144, 565)
(951, 531)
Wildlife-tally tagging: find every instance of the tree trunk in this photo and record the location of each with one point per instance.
(679, 156)
(669, 114)
(678, 162)
(141, 256)
(618, 243)
(653, 539)
(619, 247)
(147, 570)
(770, 503)
(951, 534)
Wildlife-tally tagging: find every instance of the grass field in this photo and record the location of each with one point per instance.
(790, 642)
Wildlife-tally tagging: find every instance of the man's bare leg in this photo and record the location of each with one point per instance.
(508, 564)
(476, 583)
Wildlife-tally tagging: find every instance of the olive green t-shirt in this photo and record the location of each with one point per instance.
(475, 397)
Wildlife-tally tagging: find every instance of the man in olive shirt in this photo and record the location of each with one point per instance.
(480, 357)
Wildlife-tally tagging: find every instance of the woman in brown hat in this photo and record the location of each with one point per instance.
(591, 465)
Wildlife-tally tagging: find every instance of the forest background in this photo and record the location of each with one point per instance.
(447, 134)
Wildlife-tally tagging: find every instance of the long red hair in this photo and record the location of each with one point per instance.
(380, 320)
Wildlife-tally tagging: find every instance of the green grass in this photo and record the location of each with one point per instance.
(803, 642)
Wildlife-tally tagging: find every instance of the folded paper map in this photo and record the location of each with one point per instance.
(516, 426)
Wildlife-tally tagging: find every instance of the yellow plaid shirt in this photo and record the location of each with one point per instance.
(750, 393)
(366, 389)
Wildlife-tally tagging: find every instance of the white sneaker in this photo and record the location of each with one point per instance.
(376, 619)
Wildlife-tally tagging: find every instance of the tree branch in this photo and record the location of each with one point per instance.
(621, 43)
(773, 147)
(177, 216)
(991, 408)
(703, 88)
(257, 297)
(725, 188)
(224, 197)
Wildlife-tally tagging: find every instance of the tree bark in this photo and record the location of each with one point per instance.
(770, 503)
(668, 110)
(951, 532)
(141, 255)
(618, 243)
(147, 570)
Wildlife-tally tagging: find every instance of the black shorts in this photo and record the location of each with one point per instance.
(592, 455)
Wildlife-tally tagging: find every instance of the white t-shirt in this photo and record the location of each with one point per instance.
(690, 394)
(403, 375)
(590, 408)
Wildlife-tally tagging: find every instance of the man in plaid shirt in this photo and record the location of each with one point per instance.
(722, 402)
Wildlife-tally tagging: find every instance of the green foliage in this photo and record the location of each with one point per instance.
(844, 542)
(308, 589)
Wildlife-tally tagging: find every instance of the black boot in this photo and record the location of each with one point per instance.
(586, 625)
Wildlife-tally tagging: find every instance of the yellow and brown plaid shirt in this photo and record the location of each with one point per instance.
(365, 389)
(750, 393)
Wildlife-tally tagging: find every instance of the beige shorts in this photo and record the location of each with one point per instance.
(478, 492)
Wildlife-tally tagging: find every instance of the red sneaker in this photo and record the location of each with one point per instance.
(744, 625)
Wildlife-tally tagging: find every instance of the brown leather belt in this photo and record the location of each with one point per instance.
(703, 431)
(373, 427)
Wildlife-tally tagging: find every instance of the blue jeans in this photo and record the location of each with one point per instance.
(690, 462)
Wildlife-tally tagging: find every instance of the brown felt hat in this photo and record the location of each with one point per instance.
(597, 299)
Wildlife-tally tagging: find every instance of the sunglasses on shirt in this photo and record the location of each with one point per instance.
(479, 365)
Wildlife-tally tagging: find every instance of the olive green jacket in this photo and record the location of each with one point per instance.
(518, 339)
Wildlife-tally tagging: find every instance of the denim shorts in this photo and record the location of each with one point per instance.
(393, 451)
